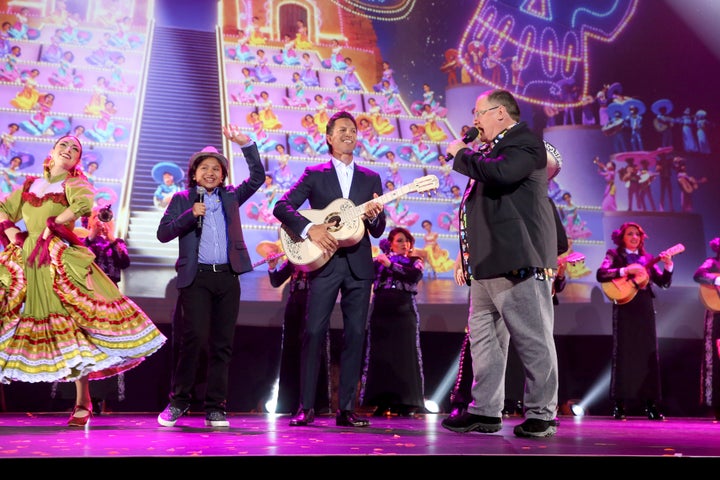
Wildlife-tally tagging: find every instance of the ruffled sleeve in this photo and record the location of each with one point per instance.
(12, 205)
(80, 195)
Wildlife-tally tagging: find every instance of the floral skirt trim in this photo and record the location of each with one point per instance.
(12, 282)
(102, 333)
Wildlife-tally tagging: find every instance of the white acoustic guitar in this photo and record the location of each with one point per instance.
(348, 227)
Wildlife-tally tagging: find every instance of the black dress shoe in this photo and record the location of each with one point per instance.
(619, 411)
(381, 411)
(406, 412)
(347, 418)
(653, 413)
(303, 417)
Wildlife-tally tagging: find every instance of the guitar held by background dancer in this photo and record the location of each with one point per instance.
(707, 276)
(635, 365)
(636, 277)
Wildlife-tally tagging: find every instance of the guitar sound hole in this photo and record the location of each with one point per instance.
(334, 219)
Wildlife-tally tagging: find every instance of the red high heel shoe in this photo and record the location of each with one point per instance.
(74, 421)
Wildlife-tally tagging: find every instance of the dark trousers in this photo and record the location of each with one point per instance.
(460, 394)
(335, 277)
(209, 310)
(666, 193)
(289, 378)
(634, 196)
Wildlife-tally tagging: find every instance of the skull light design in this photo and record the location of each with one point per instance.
(538, 49)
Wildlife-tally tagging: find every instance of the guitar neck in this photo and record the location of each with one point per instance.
(672, 251)
(652, 262)
(385, 198)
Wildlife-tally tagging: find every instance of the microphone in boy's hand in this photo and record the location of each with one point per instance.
(200, 198)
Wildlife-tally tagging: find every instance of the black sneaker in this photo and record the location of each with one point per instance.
(216, 418)
(170, 415)
(468, 422)
(535, 427)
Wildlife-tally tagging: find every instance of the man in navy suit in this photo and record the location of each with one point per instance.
(348, 270)
(212, 254)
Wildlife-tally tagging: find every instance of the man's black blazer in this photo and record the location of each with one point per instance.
(511, 224)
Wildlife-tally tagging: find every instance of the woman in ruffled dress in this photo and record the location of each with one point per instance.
(62, 317)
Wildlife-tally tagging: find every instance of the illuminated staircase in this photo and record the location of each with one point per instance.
(181, 115)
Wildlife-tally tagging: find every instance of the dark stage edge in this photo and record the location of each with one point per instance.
(127, 440)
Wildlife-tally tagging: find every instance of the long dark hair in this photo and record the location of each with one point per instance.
(617, 236)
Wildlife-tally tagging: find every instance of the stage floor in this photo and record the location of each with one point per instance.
(254, 437)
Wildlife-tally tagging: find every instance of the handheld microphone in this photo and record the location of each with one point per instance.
(200, 197)
(470, 135)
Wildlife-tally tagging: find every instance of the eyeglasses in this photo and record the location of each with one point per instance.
(480, 113)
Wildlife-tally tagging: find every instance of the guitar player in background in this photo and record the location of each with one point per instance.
(631, 176)
(688, 185)
(645, 196)
(665, 168)
(348, 271)
(635, 371)
(708, 276)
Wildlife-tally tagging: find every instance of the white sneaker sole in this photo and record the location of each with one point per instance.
(217, 423)
(166, 423)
